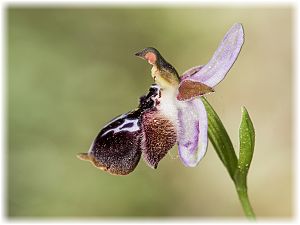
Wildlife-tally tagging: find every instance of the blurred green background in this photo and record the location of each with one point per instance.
(71, 70)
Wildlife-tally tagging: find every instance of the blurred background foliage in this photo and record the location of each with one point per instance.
(72, 69)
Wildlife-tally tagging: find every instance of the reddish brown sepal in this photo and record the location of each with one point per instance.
(189, 89)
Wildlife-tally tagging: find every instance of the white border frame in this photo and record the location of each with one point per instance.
(158, 3)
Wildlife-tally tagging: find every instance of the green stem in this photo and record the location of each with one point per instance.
(243, 195)
(241, 188)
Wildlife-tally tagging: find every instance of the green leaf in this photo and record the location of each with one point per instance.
(219, 138)
(247, 140)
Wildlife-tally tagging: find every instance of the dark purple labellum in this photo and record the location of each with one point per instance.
(119, 145)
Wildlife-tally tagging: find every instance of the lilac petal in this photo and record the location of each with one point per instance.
(216, 69)
(192, 134)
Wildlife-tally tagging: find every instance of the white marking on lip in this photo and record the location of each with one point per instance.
(155, 86)
(115, 119)
(119, 128)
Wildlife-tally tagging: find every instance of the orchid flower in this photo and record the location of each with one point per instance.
(172, 112)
